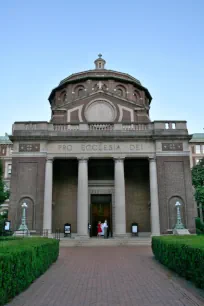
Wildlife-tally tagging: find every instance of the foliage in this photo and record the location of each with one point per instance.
(8, 238)
(3, 217)
(182, 254)
(22, 261)
(199, 226)
(198, 181)
(4, 194)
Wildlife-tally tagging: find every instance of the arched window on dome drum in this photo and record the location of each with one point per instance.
(121, 91)
(136, 96)
(79, 91)
(63, 96)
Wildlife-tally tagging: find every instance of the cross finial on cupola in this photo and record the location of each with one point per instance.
(100, 62)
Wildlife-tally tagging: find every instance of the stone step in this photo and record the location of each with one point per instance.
(104, 242)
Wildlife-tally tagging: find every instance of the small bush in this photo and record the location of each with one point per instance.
(182, 254)
(22, 261)
(199, 227)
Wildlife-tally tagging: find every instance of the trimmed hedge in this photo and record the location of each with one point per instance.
(182, 254)
(22, 261)
(199, 226)
(7, 238)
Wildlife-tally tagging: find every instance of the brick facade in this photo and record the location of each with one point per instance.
(175, 184)
(27, 184)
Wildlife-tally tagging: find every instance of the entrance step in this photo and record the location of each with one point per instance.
(92, 242)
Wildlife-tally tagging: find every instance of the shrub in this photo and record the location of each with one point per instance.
(7, 238)
(199, 226)
(22, 261)
(182, 254)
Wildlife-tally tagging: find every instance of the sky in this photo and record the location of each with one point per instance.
(159, 42)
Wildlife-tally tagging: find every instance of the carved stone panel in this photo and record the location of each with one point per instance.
(29, 147)
(172, 147)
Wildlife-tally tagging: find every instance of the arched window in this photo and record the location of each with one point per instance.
(121, 91)
(63, 96)
(79, 91)
(137, 96)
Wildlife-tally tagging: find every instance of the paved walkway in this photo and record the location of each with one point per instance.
(115, 276)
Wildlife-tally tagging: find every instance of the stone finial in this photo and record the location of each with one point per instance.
(99, 62)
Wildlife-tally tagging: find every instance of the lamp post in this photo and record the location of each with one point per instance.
(23, 226)
(179, 224)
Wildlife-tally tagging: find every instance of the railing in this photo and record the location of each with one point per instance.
(101, 127)
(137, 127)
(65, 127)
(36, 127)
(57, 234)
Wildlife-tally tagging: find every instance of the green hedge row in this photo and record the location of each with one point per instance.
(22, 261)
(182, 254)
(7, 238)
(199, 227)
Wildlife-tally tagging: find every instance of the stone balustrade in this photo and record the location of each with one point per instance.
(137, 127)
(65, 127)
(165, 127)
(101, 126)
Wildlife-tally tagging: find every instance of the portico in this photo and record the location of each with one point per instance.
(86, 187)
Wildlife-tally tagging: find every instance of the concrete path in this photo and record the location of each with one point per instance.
(115, 276)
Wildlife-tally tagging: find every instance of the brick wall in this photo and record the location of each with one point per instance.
(174, 184)
(65, 176)
(137, 194)
(27, 184)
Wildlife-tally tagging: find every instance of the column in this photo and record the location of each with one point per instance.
(82, 198)
(155, 222)
(47, 216)
(120, 214)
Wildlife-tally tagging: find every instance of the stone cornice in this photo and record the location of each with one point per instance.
(99, 136)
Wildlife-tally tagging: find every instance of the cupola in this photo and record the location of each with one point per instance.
(100, 62)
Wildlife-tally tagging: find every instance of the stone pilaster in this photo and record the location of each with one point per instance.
(155, 222)
(47, 216)
(82, 198)
(120, 213)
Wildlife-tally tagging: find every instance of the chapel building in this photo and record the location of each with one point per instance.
(101, 157)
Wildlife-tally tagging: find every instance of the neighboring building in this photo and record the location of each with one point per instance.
(6, 148)
(196, 148)
(100, 157)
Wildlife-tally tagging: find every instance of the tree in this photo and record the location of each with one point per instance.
(198, 182)
(4, 193)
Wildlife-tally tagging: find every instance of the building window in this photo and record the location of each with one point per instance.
(197, 149)
(120, 91)
(80, 92)
(9, 169)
